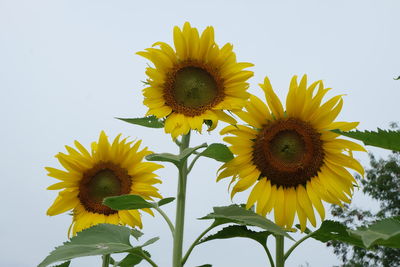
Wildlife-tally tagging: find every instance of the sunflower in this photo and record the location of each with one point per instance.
(108, 170)
(292, 157)
(195, 82)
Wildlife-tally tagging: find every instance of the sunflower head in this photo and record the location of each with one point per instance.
(109, 169)
(290, 156)
(194, 82)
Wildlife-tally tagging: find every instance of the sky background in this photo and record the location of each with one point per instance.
(67, 68)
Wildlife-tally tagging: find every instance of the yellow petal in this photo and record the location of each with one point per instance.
(316, 201)
(279, 209)
(273, 101)
(290, 206)
(305, 204)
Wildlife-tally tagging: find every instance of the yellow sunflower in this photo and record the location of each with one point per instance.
(291, 156)
(108, 170)
(195, 82)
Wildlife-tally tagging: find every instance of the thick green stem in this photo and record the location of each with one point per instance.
(106, 260)
(280, 261)
(195, 243)
(287, 254)
(180, 206)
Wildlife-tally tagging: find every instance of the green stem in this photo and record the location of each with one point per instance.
(271, 260)
(193, 162)
(166, 218)
(195, 243)
(287, 254)
(106, 260)
(152, 263)
(280, 261)
(180, 206)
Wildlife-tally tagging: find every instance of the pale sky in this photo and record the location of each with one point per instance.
(67, 68)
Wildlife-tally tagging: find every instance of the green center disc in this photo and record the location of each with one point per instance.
(287, 146)
(194, 87)
(103, 184)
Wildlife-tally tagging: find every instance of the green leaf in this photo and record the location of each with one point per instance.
(383, 233)
(165, 157)
(127, 202)
(331, 230)
(175, 159)
(205, 265)
(190, 150)
(150, 121)
(64, 264)
(239, 231)
(219, 152)
(240, 215)
(98, 240)
(136, 233)
(387, 139)
(165, 201)
(130, 260)
(398, 78)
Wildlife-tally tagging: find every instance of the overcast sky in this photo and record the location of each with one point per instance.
(67, 68)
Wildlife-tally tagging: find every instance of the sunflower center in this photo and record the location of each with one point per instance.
(194, 87)
(287, 146)
(103, 184)
(288, 152)
(191, 88)
(103, 180)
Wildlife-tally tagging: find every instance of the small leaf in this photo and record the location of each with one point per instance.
(239, 231)
(190, 150)
(150, 121)
(387, 139)
(240, 215)
(134, 257)
(150, 241)
(130, 260)
(219, 152)
(166, 157)
(136, 233)
(384, 233)
(205, 265)
(127, 202)
(165, 201)
(97, 240)
(398, 78)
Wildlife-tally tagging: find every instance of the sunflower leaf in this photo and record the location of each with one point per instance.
(332, 230)
(136, 233)
(165, 201)
(98, 240)
(239, 231)
(387, 139)
(150, 121)
(165, 157)
(240, 215)
(385, 232)
(189, 151)
(130, 260)
(219, 152)
(134, 257)
(127, 202)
